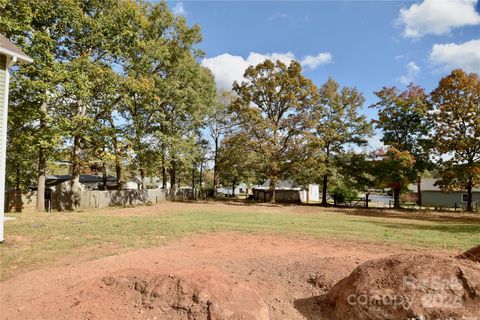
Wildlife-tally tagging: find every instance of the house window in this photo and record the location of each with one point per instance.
(465, 197)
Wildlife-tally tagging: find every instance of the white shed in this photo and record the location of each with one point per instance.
(9, 55)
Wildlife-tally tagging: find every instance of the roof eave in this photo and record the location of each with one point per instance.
(19, 57)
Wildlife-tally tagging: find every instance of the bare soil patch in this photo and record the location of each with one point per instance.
(278, 272)
(406, 286)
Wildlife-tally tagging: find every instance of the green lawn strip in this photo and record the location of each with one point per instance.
(44, 239)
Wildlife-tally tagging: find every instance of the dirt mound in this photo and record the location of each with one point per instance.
(471, 254)
(190, 296)
(141, 294)
(406, 286)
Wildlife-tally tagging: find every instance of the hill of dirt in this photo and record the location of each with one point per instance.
(406, 286)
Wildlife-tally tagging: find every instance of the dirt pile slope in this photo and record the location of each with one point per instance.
(407, 286)
(141, 294)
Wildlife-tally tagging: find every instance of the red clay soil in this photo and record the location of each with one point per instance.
(140, 294)
(407, 286)
(224, 275)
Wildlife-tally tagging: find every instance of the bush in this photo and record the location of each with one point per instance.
(342, 193)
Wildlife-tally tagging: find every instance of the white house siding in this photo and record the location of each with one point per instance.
(447, 200)
(3, 132)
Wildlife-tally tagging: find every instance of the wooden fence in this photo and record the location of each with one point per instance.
(60, 201)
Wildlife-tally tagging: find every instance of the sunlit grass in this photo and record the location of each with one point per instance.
(35, 240)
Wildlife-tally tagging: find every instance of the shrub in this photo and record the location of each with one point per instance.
(342, 193)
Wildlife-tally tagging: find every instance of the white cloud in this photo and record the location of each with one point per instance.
(451, 55)
(412, 72)
(228, 68)
(278, 16)
(313, 62)
(438, 17)
(179, 9)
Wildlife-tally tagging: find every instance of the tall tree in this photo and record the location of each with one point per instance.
(338, 124)
(96, 41)
(404, 121)
(456, 115)
(236, 162)
(39, 28)
(396, 170)
(274, 107)
(220, 122)
(169, 93)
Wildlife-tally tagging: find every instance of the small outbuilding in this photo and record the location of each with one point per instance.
(287, 191)
(433, 196)
(9, 55)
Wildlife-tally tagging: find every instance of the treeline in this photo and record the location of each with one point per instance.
(116, 87)
(289, 129)
(113, 83)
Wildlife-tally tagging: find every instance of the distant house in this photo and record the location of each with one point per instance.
(287, 191)
(433, 196)
(9, 55)
(150, 182)
(87, 182)
(228, 191)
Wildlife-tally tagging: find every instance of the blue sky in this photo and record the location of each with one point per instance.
(367, 44)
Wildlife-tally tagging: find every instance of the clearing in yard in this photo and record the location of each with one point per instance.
(85, 264)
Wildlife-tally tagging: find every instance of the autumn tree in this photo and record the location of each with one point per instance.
(338, 124)
(405, 124)
(456, 115)
(396, 170)
(274, 110)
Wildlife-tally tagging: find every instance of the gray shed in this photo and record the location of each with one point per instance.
(433, 196)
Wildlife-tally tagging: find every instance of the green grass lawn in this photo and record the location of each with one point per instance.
(36, 240)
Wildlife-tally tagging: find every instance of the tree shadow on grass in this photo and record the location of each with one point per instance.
(414, 215)
(231, 202)
(473, 229)
(239, 203)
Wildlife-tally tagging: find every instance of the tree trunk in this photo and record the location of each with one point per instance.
(233, 187)
(324, 190)
(273, 186)
(142, 177)
(325, 177)
(104, 175)
(215, 169)
(396, 197)
(470, 195)
(17, 177)
(76, 154)
(193, 183)
(164, 171)
(76, 164)
(200, 178)
(118, 173)
(419, 190)
(118, 167)
(173, 178)
(42, 163)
